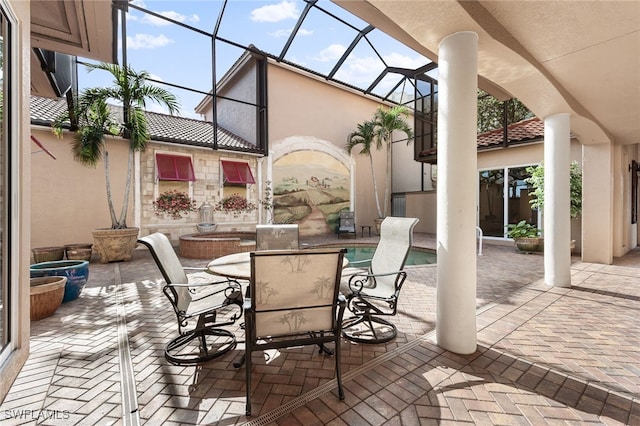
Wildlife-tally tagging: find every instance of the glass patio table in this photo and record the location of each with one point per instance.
(238, 266)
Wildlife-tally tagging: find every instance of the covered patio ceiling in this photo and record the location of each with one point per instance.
(555, 56)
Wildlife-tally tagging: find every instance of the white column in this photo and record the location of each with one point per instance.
(457, 186)
(598, 195)
(557, 220)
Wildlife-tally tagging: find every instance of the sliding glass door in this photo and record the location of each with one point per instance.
(503, 199)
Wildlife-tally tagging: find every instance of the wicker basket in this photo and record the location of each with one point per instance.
(78, 251)
(47, 254)
(46, 296)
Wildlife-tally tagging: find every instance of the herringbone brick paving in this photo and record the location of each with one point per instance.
(545, 356)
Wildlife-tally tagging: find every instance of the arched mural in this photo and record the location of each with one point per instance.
(312, 181)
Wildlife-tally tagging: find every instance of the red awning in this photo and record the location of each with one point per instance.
(174, 167)
(236, 172)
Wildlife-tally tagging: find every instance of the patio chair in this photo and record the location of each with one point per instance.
(374, 292)
(277, 237)
(295, 300)
(196, 297)
(347, 223)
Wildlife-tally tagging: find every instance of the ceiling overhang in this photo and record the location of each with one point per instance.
(572, 56)
(83, 28)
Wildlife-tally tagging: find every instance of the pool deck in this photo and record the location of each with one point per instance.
(544, 356)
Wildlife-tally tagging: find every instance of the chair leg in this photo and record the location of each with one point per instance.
(182, 350)
(372, 330)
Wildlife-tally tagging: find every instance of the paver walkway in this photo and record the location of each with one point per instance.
(545, 356)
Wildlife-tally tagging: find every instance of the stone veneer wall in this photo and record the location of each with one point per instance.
(206, 187)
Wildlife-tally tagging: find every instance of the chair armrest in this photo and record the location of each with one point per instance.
(356, 262)
(357, 282)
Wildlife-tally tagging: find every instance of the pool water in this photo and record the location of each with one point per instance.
(416, 256)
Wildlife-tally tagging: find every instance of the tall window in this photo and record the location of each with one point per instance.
(5, 170)
(503, 199)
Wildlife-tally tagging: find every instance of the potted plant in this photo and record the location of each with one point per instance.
(235, 204)
(94, 127)
(174, 204)
(380, 130)
(525, 235)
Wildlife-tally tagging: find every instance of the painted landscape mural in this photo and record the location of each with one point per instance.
(310, 188)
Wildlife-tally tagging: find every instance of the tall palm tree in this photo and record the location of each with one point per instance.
(386, 122)
(365, 136)
(91, 116)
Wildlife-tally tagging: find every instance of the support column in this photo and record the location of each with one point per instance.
(598, 195)
(557, 218)
(457, 186)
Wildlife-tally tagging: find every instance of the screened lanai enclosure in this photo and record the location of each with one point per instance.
(209, 38)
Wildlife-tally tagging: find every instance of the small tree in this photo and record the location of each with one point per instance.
(365, 136)
(386, 122)
(575, 187)
(92, 117)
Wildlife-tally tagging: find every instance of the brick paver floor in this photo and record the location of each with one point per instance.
(544, 356)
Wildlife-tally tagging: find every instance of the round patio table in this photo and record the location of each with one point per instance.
(238, 265)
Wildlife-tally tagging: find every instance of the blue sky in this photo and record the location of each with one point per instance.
(174, 54)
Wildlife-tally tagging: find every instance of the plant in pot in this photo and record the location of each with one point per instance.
(525, 235)
(379, 130)
(95, 127)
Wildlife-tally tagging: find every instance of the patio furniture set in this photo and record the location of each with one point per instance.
(286, 296)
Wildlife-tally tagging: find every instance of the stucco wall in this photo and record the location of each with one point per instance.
(68, 200)
(304, 106)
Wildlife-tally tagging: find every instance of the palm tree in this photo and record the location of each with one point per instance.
(386, 122)
(365, 136)
(91, 116)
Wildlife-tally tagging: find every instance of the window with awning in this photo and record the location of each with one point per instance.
(175, 167)
(236, 172)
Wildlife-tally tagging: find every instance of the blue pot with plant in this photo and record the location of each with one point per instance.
(76, 271)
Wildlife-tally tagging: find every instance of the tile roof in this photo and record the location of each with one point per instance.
(522, 131)
(162, 127)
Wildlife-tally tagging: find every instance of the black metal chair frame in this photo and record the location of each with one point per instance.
(319, 337)
(206, 317)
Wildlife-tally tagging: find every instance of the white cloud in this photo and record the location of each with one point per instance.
(331, 53)
(147, 41)
(152, 20)
(285, 33)
(275, 12)
(398, 60)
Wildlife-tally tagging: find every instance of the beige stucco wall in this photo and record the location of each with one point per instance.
(304, 106)
(68, 199)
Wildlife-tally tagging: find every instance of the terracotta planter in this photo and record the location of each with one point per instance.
(378, 224)
(47, 254)
(76, 272)
(114, 245)
(78, 251)
(527, 244)
(46, 296)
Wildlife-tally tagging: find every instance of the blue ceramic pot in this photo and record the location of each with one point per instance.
(76, 271)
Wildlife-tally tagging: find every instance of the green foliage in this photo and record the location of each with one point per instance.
(522, 229)
(575, 187)
(491, 113)
(92, 117)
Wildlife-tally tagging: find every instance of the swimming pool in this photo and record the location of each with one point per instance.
(417, 256)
